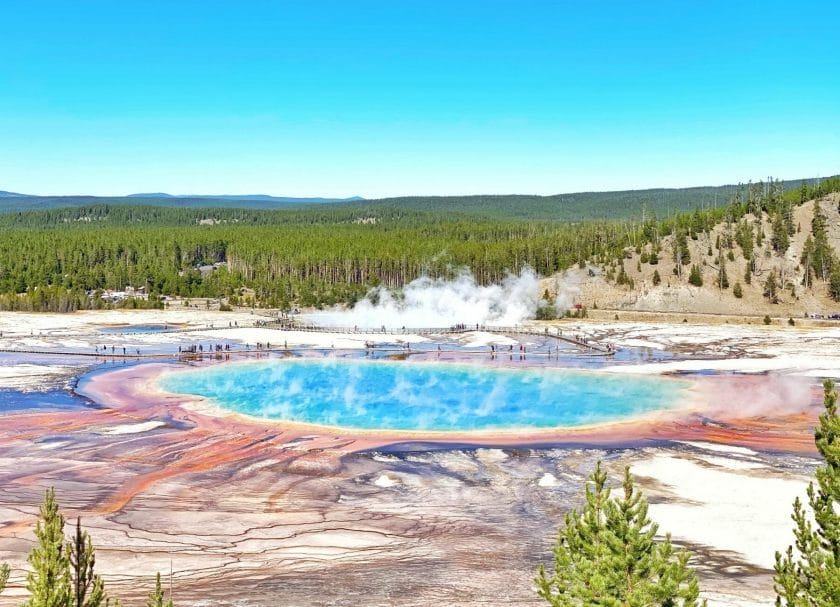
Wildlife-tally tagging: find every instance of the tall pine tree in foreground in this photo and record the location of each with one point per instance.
(88, 590)
(49, 581)
(607, 556)
(4, 576)
(63, 571)
(156, 597)
(811, 576)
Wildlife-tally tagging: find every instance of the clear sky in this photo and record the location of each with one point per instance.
(318, 98)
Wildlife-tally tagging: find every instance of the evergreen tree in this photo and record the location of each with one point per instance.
(695, 277)
(684, 255)
(736, 290)
(780, 240)
(806, 260)
(834, 285)
(748, 270)
(811, 578)
(87, 588)
(697, 224)
(622, 279)
(606, 555)
(656, 278)
(822, 255)
(771, 288)
(156, 597)
(4, 576)
(788, 214)
(49, 581)
(744, 238)
(723, 279)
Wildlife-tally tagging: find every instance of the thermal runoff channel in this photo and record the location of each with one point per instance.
(424, 396)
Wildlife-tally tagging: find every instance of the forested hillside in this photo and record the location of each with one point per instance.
(580, 206)
(55, 259)
(768, 254)
(303, 262)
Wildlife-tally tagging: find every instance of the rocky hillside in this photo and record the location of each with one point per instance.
(665, 286)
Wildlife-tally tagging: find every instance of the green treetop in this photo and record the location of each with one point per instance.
(157, 597)
(834, 284)
(806, 261)
(62, 571)
(820, 254)
(682, 254)
(88, 590)
(811, 577)
(4, 576)
(771, 287)
(781, 238)
(723, 279)
(606, 555)
(49, 580)
(744, 237)
(695, 277)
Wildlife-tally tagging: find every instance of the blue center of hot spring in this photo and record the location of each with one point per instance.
(424, 396)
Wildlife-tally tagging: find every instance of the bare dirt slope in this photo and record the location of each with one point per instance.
(592, 287)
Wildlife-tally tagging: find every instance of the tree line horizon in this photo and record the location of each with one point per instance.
(60, 260)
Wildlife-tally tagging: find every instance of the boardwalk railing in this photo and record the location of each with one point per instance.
(290, 324)
(557, 334)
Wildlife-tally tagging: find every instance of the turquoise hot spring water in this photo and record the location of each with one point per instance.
(411, 396)
(399, 395)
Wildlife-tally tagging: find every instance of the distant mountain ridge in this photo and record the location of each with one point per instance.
(257, 197)
(12, 202)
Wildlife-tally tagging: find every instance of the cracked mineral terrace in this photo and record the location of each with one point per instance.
(290, 512)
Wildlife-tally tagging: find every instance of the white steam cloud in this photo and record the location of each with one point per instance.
(567, 290)
(438, 302)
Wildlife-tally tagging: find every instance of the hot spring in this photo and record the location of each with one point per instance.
(360, 394)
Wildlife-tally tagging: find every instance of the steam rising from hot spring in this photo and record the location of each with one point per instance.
(439, 302)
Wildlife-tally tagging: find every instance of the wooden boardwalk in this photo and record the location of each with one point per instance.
(556, 334)
(286, 325)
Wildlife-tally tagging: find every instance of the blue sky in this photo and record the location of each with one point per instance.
(343, 98)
